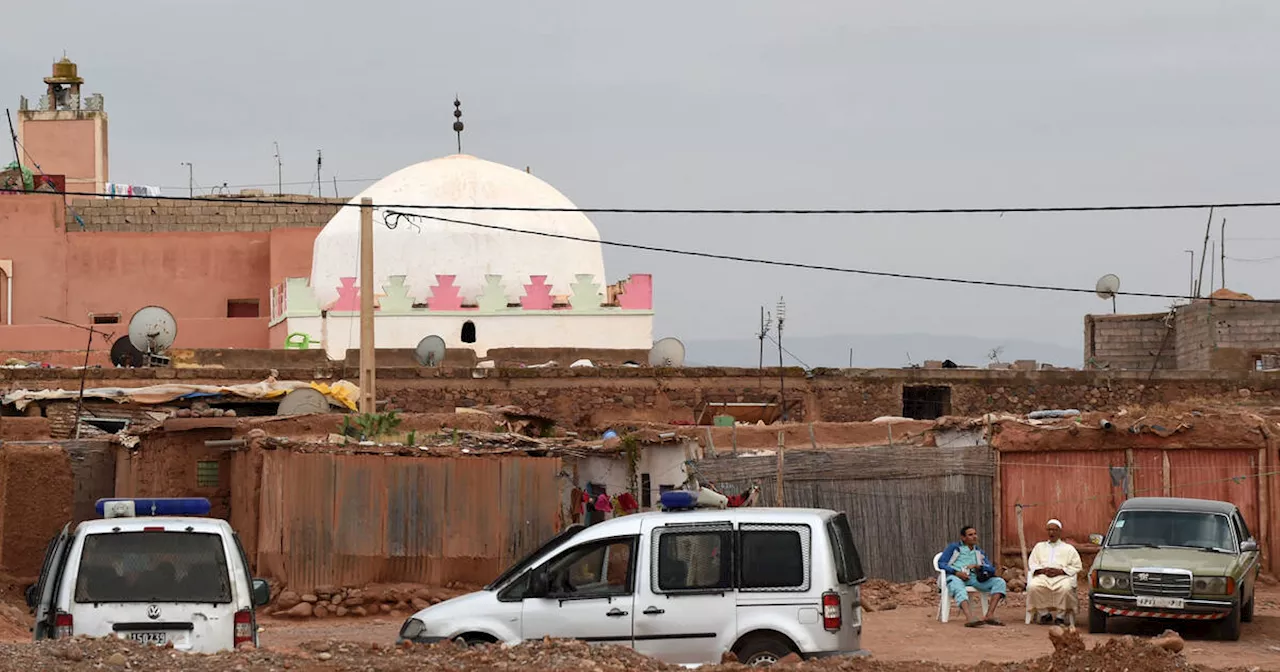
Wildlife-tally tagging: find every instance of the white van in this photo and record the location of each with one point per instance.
(680, 586)
(153, 572)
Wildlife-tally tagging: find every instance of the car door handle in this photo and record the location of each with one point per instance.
(654, 611)
(616, 613)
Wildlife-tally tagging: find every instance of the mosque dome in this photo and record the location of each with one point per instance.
(421, 249)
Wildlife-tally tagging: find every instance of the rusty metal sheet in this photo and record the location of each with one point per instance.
(1073, 487)
(355, 519)
(1226, 475)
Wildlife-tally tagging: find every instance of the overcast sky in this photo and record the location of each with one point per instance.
(737, 104)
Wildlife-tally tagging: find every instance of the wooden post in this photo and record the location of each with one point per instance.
(734, 434)
(1127, 486)
(813, 439)
(777, 495)
(368, 367)
(1263, 518)
(1165, 475)
(998, 521)
(1022, 541)
(711, 443)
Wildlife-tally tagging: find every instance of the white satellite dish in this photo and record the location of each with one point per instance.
(430, 351)
(152, 331)
(667, 352)
(1107, 287)
(303, 401)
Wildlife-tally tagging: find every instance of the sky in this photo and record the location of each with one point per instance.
(740, 104)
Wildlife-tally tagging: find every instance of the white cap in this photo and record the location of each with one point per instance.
(1054, 521)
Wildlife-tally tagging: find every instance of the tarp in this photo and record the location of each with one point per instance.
(341, 393)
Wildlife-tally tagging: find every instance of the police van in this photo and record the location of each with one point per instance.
(682, 586)
(152, 571)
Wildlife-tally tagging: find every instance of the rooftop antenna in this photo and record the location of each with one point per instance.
(1203, 251)
(191, 179)
(85, 369)
(1191, 291)
(13, 136)
(782, 378)
(1222, 250)
(319, 184)
(457, 123)
(765, 320)
(279, 170)
(1107, 287)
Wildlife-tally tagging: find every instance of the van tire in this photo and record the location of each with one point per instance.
(473, 639)
(762, 650)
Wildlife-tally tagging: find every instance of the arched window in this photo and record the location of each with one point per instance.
(468, 332)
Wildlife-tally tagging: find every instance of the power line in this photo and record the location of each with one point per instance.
(397, 216)
(1255, 260)
(725, 211)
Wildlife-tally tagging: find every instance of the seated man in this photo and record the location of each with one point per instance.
(1051, 585)
(966, 565)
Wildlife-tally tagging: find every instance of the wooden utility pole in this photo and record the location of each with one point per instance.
(777, 495)
(368, 367)
(1022, 541)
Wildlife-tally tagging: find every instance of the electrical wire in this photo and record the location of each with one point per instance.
(1258, 260)
(788, 352)
(399, 217)
(721, 211)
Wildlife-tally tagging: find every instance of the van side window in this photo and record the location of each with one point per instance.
(698, 559)
(601, 569)
(773, 557)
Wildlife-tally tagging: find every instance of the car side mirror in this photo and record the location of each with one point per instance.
(261, 592)
(537, 583)
(31, 596)
(1095, 539)
(1249, 546)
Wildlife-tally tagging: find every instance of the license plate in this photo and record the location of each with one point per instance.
(158, 638)
(1162, 602)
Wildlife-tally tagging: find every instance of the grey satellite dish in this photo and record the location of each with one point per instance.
(152, 331)
(667, 352)
(430, 351)
(1107, 287)
(303, 401)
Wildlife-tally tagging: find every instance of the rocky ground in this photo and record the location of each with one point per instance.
(395, 600)
(1070, 655)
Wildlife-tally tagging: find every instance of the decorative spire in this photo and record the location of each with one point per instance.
(457, 123)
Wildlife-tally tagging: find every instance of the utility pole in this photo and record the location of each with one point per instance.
(191, 179)
(764, 331)
(85, 370)
(279, 170)
(1192, 290)
(368, 368)
(782, 374)
(17, 157)
(1222, 249)
(319, 184)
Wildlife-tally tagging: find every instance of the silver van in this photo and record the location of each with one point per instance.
(683, 587)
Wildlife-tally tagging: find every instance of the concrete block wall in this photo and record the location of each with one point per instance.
(1129, 342)
(227, 214)
(1227, 334)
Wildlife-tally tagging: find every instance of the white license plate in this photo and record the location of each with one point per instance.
(1162, 602)
(157, 638)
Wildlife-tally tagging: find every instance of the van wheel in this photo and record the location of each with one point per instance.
(1097, 620)
(762, 651)
(472, 640)
(1229, 627)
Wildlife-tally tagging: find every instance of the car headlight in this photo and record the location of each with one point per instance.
(1113, 581)
(1212, 585)
(412, 628)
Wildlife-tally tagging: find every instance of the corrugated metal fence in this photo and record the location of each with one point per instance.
(905, 503)
(356, 519)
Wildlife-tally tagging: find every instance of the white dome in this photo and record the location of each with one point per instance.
(423, 249)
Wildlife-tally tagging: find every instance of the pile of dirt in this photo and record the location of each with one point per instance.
(881, 595)
(15, 617)
(396, 600)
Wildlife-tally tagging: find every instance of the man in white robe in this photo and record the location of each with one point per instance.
(1051, 585)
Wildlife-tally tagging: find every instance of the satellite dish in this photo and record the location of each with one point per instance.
(151, 331)
(430, 351)
(123, 354)
(1108, 285)
(303, 401)
(667, 352)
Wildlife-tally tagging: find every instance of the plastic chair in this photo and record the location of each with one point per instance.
(944, 603)
(298, 341)
(1071, 615)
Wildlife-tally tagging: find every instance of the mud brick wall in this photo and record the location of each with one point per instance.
(229, 214)
(1227, 335)
(36, 492)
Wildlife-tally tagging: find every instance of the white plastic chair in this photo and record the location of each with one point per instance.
(944, 603)
(1071, 615)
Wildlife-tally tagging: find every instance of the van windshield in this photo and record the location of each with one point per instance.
(153, 567)
(537, 553)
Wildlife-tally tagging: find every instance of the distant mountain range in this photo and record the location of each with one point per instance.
(877, 351)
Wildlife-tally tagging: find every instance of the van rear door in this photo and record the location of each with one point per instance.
(55, 557)
(156, 587)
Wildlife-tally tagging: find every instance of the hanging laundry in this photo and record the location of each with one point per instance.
(603, 504)
(627, 503)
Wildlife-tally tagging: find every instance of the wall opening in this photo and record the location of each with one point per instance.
(646, 492)
(926, 402)
(468, 332)
(242, 308)
(104, 318)
(207, 474)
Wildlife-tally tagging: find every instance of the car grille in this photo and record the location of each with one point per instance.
(1159, 584)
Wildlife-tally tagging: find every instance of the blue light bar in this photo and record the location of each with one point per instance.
(678, 500)
(158, 506)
